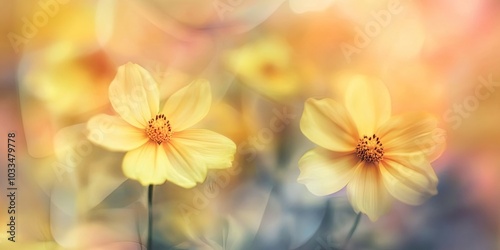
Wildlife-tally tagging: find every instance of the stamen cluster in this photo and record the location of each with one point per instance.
(370, 149)
(158, 129)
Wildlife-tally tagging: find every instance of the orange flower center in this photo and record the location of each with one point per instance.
(370, 149)
(269, 70)
(159, 129)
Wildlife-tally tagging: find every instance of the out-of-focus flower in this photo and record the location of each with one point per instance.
(60, 68)
(49, 102)
(37, 26)
(160, 146)
(265, 66)
(47, 74)
(362, 147)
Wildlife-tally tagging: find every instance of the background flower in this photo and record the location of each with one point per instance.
(266, 66)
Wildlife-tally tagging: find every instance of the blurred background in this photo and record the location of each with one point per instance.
(263, 59)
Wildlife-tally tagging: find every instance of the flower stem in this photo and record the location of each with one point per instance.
(351, 232)
(150, 217)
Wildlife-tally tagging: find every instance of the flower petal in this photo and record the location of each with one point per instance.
(134, 95)
(189, 105)
(407, 183)
(416, 162)
(113, 133)
(368, 102)
(325, 172)
(326, 123)
(367, 193)
(412, 134)
(213, 149)
(185, 161)
(149, 165)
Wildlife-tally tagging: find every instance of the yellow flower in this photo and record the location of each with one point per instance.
(378, 157)
(160, 144)
(264, 65)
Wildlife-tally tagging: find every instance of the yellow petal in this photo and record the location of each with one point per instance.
(325, 172)
(367, 193)
(368, 102)
(326, 123)
(185, 161)
(113, 133)
(407, 183)
(134, 95)
(189, 105)
(213, 149)
(146, 164)
(416, 162)
(149, 164)
(412, 134)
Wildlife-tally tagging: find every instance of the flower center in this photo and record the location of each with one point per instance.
(370, 149)
(159, 129)
(269, 70)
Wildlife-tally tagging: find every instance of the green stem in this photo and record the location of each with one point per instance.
(150, 217)
(351, 232)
